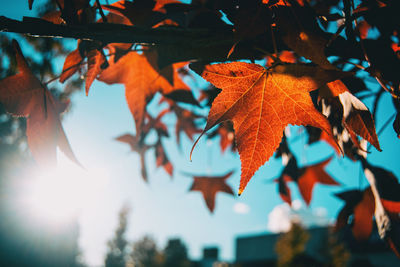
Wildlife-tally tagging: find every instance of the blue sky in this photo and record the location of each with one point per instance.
(164, 208)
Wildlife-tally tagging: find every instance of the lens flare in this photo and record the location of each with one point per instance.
(59, 194)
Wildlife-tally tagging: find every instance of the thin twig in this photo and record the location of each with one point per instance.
(101, 11)
(375, 107)
(383, 127)
(275, 58)
(333, 38)
(355, 65)
(85, 62)
(58, 77)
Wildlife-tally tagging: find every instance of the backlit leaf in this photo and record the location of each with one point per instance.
(142, 80)
(24, 95)
(261, 103)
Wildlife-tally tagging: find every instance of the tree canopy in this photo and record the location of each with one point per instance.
(269, 64)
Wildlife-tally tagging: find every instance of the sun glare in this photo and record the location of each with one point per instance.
(59, 194)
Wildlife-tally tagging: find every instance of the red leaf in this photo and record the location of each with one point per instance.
(313, 174)
(24, 95)
(95, 60)
(284, 56)
(363, 214)
(209, 186)
(185, 123)
(71, 65)
(53, 17)
(362, 205)
(162, 159)
(137, 146)
(142, 80)
(363, 28)
(305, 177)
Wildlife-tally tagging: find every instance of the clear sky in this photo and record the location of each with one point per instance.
(164, 208)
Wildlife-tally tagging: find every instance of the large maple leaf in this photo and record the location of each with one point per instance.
(210, 186)
(142, 80)
(24, 95)
(261, 103)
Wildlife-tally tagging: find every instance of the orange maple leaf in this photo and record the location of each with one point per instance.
(142, 79)
(209, 186)
(24, 95)
(261, 103)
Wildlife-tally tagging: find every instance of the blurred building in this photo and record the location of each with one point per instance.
(259, 249)
(210, 259)
(27, 240)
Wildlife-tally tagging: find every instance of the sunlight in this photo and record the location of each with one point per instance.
(58, 195)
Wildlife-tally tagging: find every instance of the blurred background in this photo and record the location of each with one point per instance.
(106, 215)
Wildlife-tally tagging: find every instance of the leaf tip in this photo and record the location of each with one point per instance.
(240, 192)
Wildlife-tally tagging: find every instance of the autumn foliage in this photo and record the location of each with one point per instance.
(269, 64)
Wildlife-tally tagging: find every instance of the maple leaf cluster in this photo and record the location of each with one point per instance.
(296, 83)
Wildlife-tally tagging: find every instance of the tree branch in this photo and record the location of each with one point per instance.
(117, 33)
(174, 44)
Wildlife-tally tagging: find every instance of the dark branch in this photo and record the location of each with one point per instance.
(175, 44)
(117, 33)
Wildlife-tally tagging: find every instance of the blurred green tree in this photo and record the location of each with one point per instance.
(146, 254)
(117, 255)
(175, 254)
(291, 245)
